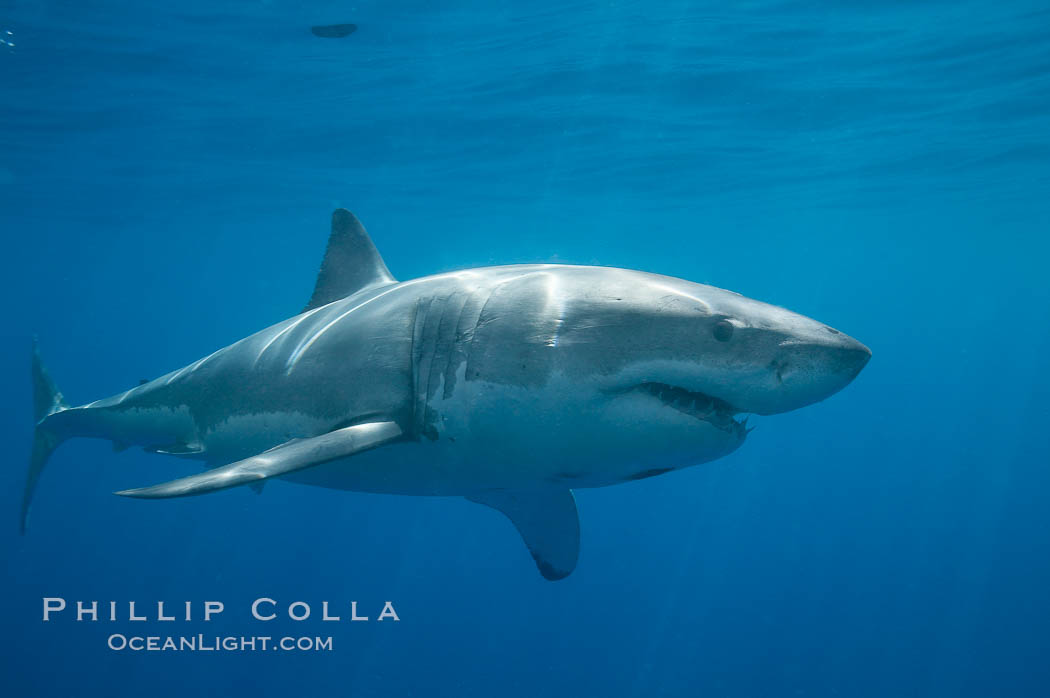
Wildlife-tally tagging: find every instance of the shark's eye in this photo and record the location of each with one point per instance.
(723, 330)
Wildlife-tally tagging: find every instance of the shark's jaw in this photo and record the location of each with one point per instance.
(706, 408)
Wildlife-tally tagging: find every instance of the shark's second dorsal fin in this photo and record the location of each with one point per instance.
(350, 264)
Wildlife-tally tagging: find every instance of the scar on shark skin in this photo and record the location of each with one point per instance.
(333, 31)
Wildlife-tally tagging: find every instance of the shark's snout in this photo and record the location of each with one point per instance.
(851, 359)
(837, 354)
(809, 370)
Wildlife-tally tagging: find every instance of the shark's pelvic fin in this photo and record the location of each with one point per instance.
(286, 458)
(47, 400)
(548, 523)
(350, 264)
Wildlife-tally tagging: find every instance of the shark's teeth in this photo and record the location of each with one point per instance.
(713, 410)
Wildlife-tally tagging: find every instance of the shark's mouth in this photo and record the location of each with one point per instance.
(707, 408)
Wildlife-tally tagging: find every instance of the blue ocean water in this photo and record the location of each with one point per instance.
(166, 176)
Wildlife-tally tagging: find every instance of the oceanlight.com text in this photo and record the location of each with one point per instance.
(215, 643)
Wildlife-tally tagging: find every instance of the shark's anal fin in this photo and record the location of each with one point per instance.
(350, 264)
(548, 523)
(286, 458)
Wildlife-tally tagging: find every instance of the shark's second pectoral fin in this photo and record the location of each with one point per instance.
(548, 523)
(286, 458)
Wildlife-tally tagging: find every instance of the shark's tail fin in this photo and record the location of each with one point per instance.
(46, 402)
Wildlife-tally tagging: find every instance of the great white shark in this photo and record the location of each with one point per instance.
(510, 386)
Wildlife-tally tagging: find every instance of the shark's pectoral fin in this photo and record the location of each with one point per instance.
(548, 523)
(286, 458)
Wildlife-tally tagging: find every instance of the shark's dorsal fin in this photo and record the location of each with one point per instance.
(350, 264)
(548, 523)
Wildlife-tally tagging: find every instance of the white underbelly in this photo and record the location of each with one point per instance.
(494, 436)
